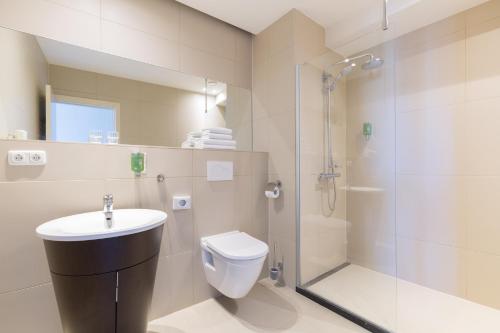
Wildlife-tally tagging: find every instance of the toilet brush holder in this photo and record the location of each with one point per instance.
(274, 273)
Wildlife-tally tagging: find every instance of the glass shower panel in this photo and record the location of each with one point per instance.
(346, 191)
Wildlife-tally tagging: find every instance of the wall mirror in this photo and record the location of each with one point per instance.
(59, 92)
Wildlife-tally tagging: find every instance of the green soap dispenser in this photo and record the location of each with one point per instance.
(367, 130)
(138, 163)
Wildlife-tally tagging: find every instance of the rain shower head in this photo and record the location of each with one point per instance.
(352, 63)
(373, 63)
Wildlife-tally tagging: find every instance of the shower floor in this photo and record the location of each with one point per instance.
(401, 306)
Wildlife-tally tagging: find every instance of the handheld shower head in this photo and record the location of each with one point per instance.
(373, 63)
(346, 71)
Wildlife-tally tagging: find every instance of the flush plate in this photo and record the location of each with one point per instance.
(220, 170)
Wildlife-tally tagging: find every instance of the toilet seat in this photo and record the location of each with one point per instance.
(237, 245)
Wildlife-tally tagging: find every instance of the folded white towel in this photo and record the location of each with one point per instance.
(217, 130)
(188, 144)
(194, 135)
(218, 142)
(201, 145)
(217, 136)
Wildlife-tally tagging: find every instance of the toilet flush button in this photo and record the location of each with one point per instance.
(181, 202)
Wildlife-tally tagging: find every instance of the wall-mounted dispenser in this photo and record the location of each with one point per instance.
(138, 163)
(367, 130)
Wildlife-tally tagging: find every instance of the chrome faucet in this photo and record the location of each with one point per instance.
(108, 208)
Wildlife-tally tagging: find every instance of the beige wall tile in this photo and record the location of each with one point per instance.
(64, 78)
(202, 290)
(31, 204)
(243, 74)
(433, 32)
(117, 88)
(432, 141)
(106, 162)
(158, 161)
(483, 272)
(178, 235)
(258, 225)
(90, 6)
(203, 32)
(261, 134)
(282, 143)
(155, 17)
(280, 34)
(432, 209)
(173, 285)
(243, 47)
(30, 16)
(309, 37)
(24, 76)
(79, 166)
(30, 310)
(280, 88)
(217, 209)
(482, 214)
(371, 229)
(441, 83)
(481, 137)
(123, 41)
(156, 93)
(483, 51)
(323, 244)
(206, 64)
(242, 161)
(480, 14)
(432, 265)
(153, 28)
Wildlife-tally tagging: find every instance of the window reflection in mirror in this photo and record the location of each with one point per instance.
(73, 119)
(61, 92)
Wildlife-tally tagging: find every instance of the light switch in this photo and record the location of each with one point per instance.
(219, 170)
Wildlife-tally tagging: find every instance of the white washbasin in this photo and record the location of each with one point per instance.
(93, 225)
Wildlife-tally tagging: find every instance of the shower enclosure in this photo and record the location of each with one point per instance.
(345, 201)
(398, 178)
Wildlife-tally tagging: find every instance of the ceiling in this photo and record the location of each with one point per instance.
(351, 25)
(256, 15)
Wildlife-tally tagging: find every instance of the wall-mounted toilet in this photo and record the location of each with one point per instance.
(233, 262)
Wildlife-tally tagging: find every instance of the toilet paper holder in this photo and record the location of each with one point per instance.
(273, 189)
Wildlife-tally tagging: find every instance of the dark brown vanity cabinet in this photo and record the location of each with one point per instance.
(108, 293)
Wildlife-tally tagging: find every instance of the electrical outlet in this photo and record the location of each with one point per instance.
(18, 157)
(38, 157)
(181, 202)
(27, 157)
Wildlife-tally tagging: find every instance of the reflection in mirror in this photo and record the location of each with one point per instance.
(59, 92)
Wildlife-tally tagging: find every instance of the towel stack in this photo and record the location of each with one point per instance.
(211, 138)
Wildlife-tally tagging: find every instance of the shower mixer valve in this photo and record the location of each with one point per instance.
(329, 175)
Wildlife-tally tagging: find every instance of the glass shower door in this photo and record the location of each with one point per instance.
(346, 229)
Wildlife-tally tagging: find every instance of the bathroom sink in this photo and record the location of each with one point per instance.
(89, 253)
(93, 225)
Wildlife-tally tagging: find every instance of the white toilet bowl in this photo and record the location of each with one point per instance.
(232, 262)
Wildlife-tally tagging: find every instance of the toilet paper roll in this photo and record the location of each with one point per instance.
(272, 194)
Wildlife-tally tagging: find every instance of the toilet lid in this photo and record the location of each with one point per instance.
(237, 246)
